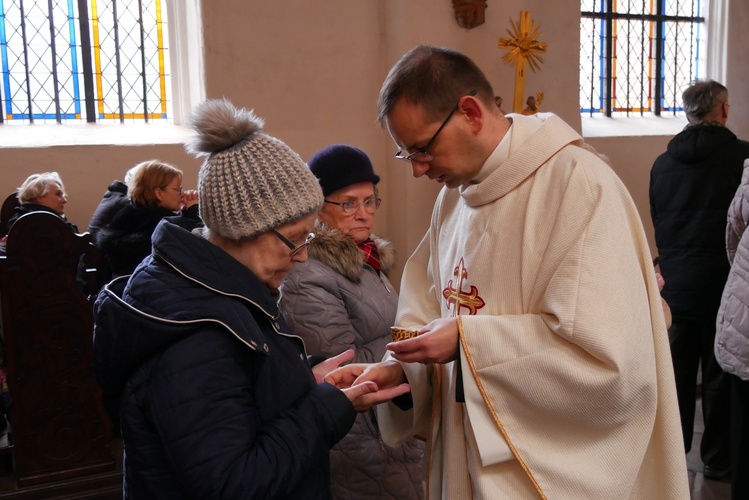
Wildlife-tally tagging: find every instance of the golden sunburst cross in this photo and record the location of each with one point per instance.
(523, 48)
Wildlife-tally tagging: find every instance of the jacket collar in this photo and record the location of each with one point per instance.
(201, 261)
(26, 208)
(704, 123)
(340, 252)
(696, 143)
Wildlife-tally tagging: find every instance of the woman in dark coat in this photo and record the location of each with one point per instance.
(216, 394)
(115, 197)
(155, 192)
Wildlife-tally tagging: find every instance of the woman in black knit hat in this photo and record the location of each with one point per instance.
(341, 298)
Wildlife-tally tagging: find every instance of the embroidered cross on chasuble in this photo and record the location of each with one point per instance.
(470, 300)
(457, 297)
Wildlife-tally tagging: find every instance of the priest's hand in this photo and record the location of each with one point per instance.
(436, 343)
(323, 368)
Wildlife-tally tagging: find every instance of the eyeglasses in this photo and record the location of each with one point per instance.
(350, 207)
(178, 189)
(421, 154)
(295, 249)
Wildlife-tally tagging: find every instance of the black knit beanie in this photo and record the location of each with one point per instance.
(339, 166)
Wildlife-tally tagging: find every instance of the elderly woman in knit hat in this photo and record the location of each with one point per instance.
(217, 398)
(341, 299)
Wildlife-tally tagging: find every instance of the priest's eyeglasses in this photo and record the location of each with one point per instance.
(295, 249)
(421, 154)
(350, 207)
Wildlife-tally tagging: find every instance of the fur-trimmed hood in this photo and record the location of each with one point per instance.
(339, 252)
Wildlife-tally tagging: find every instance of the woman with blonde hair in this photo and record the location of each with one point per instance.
(155, 191)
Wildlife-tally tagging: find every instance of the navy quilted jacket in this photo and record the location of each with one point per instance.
(215, 399)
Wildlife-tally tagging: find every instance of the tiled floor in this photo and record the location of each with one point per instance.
(701, 488)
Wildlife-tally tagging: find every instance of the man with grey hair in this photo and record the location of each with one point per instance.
(691, 187)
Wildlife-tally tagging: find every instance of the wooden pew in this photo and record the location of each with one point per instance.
(6, 212)
(62, 437)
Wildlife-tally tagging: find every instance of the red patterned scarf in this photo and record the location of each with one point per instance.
(371, 255)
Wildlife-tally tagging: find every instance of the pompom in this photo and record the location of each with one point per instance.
(220, 126)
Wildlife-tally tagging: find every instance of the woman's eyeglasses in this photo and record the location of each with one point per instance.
(350, 207)
(295, 249)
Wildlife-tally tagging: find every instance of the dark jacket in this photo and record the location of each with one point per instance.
(27, 208)
(217, 401)
(113, 200)
(691, 187)
(126, 240)
(335, 301)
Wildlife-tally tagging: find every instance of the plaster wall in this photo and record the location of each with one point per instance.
(737, 68)
(313, 71)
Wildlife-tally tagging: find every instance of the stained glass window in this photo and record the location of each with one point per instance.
(638, 56)
(83, 60)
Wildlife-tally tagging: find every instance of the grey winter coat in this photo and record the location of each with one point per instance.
(732, 328)
(335, 301)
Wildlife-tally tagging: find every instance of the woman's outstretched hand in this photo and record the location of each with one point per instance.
(367, 385)
(323, 368)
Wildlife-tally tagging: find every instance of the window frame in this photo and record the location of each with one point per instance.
(186, 84)
(608, 17)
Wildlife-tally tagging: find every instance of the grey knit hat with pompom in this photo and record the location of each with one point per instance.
(250, 182)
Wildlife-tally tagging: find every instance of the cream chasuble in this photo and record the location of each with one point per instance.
(562, 335)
